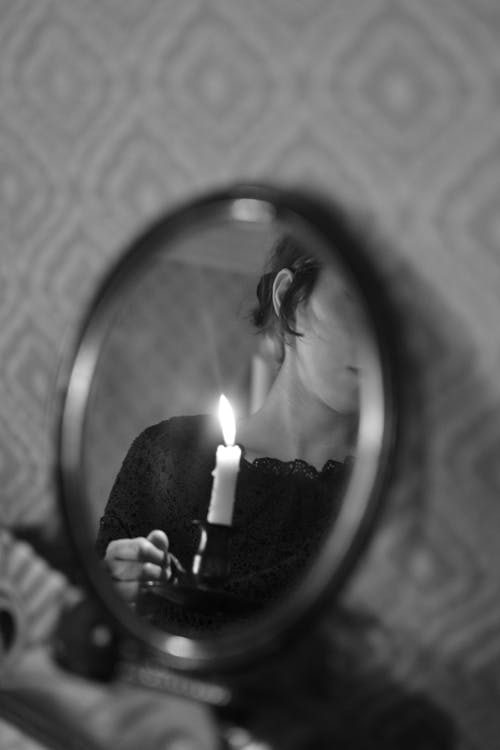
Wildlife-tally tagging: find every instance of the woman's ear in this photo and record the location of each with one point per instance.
(281, 284)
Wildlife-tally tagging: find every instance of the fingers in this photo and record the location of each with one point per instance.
(159, 539)
(139, 549)
(129, 576)
(122, 570)
(133, 562)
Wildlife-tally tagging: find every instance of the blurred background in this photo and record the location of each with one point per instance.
(111, 111)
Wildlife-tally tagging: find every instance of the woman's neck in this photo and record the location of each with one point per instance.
(294, 424)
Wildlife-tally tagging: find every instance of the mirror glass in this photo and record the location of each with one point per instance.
(202, 534)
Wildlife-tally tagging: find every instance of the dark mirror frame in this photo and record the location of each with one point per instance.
(345, 544)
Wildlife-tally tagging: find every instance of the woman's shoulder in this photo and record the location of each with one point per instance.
(182, 431)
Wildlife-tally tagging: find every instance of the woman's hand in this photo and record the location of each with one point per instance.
(132, 562)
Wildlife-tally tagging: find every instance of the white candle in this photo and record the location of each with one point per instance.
(225, 474)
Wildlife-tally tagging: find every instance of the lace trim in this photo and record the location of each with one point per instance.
(296, 466)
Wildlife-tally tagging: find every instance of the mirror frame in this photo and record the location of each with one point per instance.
(343, 549)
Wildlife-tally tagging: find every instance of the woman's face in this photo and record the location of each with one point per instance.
(326, 353)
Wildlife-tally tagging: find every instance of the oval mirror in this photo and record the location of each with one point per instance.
(210, 537)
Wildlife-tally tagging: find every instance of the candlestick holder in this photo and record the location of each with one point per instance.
(211, 564)
(202, 587)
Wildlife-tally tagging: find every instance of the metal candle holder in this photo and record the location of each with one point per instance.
(211, 564)
(201, 588)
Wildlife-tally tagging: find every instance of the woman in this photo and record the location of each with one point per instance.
(293, 467)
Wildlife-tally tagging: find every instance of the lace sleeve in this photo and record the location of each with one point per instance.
(131, 504)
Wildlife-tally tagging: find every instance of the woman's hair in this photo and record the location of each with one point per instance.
(287, 253)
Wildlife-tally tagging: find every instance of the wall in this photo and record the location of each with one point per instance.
(112, 110)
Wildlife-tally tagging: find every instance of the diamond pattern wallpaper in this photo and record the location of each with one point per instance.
(111, 111)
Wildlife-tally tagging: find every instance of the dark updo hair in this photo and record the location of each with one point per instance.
(287, 253)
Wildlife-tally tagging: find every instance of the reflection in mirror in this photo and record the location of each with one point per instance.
(197, 533)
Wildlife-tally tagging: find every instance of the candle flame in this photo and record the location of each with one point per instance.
(226, 417)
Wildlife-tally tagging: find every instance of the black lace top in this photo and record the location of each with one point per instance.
(281, 511)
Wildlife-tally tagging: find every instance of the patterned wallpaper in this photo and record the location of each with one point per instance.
(112, 110)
